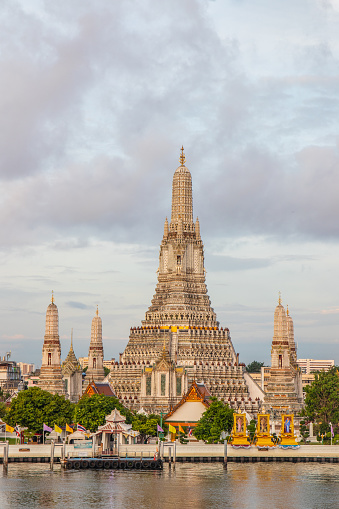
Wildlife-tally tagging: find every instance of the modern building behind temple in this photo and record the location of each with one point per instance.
(180, 340)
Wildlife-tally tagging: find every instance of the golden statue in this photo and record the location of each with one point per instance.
(288, 439)
(263, 437)
(239, 436)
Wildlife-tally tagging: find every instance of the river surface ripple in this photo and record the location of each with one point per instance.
(252, 485)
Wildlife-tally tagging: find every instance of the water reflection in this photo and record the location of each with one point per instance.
(203, 486)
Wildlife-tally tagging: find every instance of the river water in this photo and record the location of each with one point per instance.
(251, 485)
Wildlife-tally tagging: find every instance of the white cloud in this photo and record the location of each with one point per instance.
(95, 100)
(13, 337)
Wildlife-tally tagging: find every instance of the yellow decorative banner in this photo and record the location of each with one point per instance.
(171, 428)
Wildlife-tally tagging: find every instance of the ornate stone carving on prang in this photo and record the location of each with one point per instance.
(163, 365)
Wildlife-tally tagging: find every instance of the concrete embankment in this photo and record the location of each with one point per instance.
(215, 452)
(34, 453)
(197, 452)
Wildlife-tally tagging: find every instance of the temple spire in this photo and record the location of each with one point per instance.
(197, 228)
(182, 203)
(181, 292)
(166, 228)
(96, 352)
(182, 158)
(50, 378)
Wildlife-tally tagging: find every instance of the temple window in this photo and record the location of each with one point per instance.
(163, 385)
(148, 386)
(280, 361)
(178, 260)
(94, 363)
(178, 385)
(49, 362)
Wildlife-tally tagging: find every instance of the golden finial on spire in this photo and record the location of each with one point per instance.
(279, 300)
(182, 158)
(72, 338)
(97, 311)
(287, 311)
(52, 297)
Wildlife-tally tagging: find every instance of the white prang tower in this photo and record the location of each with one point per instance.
(180, 340)
(284, 390)
(50, 378)
(95, 370)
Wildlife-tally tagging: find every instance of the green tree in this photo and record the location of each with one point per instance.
(183, 437)
(251, 428)
(3, 410)
(322, 398)
(304, 431)
(91, 411)
(146, 425)
(217, 418)
(254, 367)
(34, 407)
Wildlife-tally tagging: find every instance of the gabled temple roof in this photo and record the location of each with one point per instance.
(197, 392)
(115, 422)
(99, 388)
(115, 416)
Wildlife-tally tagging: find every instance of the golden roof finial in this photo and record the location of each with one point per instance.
(72, 338)
(279, 300)
(97, 311)
(287, 311)
(182, 158)
(52, 297)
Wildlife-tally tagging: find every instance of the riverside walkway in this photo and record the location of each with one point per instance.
(196, 452)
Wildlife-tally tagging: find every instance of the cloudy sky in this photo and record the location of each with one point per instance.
(97, 97)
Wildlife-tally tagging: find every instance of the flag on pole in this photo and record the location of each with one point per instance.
(81, 428)
(181, 429)
(159, 428)
(68, 428)
(190, 431)
(332, 432)
(9, 428)
(171, 429)
(47, 428)
(17, 430)
(57, 429)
